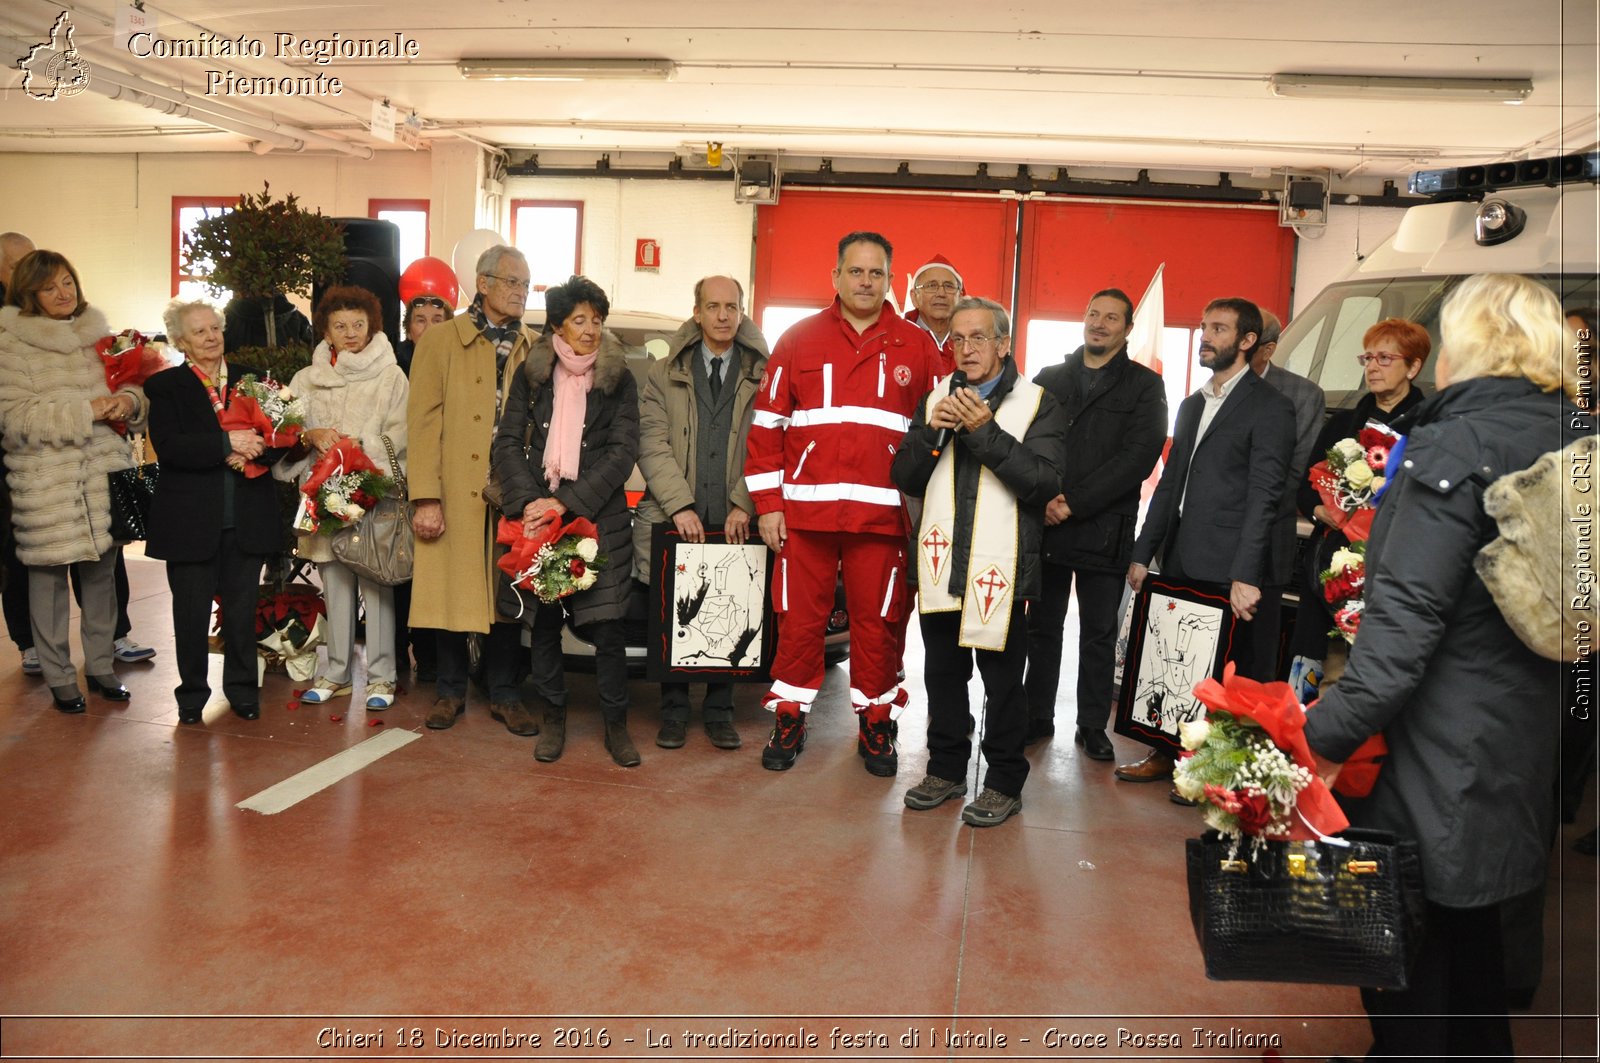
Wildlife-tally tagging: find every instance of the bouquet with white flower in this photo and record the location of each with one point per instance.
(343, 485)
(1249, 765)
(555, 561)
(1350, 478)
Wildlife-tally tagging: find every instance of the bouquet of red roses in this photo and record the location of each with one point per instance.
(264, 406)
(1344, 584)
(343, 485)
(1351, 477)
(553, 562)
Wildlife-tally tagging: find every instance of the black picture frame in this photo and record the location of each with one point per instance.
(1180, 633)
(725, 585)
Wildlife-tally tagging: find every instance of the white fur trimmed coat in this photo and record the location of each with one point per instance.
(57, 454)
(364, 397)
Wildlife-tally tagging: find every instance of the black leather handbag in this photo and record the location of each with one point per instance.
(1308, 911)
(132, 492)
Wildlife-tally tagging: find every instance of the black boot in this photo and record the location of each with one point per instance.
(552, 735)
(619, 745)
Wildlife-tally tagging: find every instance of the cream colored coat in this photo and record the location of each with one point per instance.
(452, 421)
(363, 396)
(56, 453)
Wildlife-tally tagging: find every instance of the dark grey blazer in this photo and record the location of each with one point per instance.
(1235, 476)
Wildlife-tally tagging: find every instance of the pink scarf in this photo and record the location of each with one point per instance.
(573, 377)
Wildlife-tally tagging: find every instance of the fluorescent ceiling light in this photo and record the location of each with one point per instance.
(567, 69)
(1354, 87)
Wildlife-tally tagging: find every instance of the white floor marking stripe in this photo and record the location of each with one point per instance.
(319, 777)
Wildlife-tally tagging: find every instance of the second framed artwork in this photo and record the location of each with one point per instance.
(1179, 633)
(710, 610)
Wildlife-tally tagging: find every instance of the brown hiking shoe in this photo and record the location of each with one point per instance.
(516, 717)
(444, 712)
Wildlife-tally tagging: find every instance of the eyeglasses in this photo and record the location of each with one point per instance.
(935, 287)
(511, 282)
(1385, 360)
(428, 300)
(971, 343)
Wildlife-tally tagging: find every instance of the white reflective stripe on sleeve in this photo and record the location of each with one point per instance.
(827, 383)
(877, 496)
(763, 481)
(801, 696)
(772, 391)
(851, 415)
(888, 592)
(769, 419)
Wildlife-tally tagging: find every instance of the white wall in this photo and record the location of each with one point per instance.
(112, 214)
(1350, 235)
(698, 226)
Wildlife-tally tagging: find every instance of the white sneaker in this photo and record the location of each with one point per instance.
(30, 662)
(127, 651)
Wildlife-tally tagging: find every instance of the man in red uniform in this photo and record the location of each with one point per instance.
(837, 397)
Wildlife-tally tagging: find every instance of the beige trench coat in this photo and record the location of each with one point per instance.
(451, 415)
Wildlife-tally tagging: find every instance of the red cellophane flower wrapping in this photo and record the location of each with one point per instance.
(244, 414)
(1272, 707)
(129, 361)
(553, 562)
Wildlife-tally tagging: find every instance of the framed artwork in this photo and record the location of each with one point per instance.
(710, 610)
(1178, 634)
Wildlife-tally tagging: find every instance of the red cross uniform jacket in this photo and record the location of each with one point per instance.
(832, 409)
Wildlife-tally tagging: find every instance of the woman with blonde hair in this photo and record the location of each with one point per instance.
(57, 413)
(1471, 715)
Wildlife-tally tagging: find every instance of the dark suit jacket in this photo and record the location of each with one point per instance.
(186, 516)
(1114, 439)
(1236, 477)
(1310, 408)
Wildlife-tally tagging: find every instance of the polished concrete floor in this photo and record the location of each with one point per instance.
(454, 888)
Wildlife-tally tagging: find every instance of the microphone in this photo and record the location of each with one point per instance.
(958, 380)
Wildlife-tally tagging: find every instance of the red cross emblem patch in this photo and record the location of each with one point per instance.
(990, 588)
(937, 548)
(902, 375)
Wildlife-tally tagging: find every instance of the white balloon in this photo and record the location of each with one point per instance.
(464, 259)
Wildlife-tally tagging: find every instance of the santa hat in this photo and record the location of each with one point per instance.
(937, 262)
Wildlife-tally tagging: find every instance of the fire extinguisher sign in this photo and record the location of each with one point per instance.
(647, 255)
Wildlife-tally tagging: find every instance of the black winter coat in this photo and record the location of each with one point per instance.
(1030, 467)
(610, 448)
(1472, 717)
(1113, 439)
(186, 514)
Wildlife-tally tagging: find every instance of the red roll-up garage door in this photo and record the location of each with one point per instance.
(797, 238)
(1073, 248)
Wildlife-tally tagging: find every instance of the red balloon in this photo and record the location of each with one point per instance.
(429, 276)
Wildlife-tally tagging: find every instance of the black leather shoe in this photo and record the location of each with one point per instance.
(107, 686)
(723, 735)
(188, 715)
(1039, 730)
(672, 735)
(1096, 746)
(249, 711)
(68, 699)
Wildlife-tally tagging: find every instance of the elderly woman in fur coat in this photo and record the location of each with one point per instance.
(354, 389)
(576, 405)
(57, 415)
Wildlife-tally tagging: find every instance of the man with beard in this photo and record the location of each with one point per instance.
(1116, 424)
(1212, 514)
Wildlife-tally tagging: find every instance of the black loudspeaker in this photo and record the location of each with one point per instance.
(372, 261)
